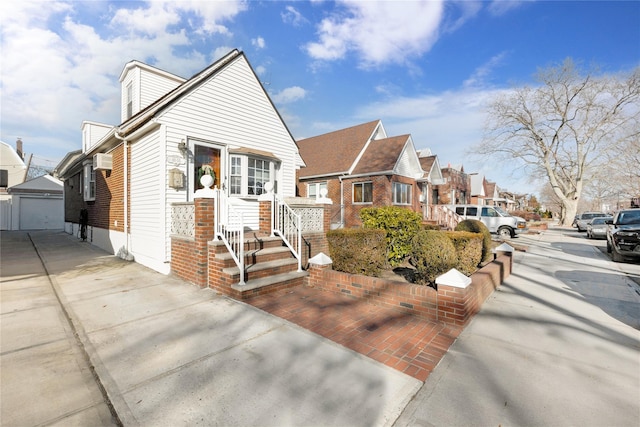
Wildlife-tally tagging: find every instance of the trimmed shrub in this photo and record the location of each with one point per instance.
(401, 225)
(475, 226)
(432, 254)
(358, 250)
(469, 250)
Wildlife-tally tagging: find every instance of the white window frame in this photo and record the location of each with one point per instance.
(401, 193)
(89, 180)
(129, 105)
(314, 188)
(353, 193)
(244, 160)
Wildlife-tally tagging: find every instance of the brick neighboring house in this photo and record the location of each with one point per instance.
(360, 167)
(456, 188)
(431, 181)
(219, 122)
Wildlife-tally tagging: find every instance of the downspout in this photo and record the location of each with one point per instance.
(126, 193)
(341, 201)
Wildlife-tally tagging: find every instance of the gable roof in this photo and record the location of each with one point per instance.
(41, 184)
(335, 152)
(381, 155)
(138, 123)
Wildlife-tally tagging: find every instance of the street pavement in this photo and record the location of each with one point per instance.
(88, 339)
(558, 344)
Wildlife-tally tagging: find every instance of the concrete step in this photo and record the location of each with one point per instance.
(263, 269)
(269, 284)
(257, 256)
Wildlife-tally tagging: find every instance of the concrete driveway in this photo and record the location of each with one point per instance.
(89, 339)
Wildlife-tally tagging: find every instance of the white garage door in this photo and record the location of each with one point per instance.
(41, 214)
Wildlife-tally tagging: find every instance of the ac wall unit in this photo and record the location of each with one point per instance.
(102, 161)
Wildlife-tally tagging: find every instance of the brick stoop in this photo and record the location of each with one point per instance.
(269, 266)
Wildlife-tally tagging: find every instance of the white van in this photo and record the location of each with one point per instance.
(497, 220)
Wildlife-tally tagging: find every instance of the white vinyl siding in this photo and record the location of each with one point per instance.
(147, 86)
(408, 162)
(232, 109)
(147, 206)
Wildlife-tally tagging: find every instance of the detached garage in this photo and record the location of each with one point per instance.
(37, 204)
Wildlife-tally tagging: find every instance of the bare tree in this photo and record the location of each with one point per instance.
(561, 128)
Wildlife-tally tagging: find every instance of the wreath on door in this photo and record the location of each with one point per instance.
(206, 170)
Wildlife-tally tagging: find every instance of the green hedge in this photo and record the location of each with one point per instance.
(432, 254)
(468, 249)
(358, 250)
(475, 226)
(400, 224)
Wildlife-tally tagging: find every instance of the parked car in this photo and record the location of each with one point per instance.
(585, 217)
(623, 235)
(597, 227)
(497, 220)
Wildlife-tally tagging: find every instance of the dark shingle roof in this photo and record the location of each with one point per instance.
(381, 155)
(334, 152)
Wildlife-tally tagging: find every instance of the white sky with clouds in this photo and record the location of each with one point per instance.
(424, 68)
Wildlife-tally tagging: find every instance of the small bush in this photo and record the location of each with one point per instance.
(475, 226)
(427, 226)
(527, 215)
(400, 224)
(468, 248)
(358, 250)
(432, 254)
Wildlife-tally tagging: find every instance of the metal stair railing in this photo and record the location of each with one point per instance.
(445, 216)
(286, 223)
(229, 227)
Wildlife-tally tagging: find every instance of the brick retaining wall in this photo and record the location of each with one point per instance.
(449, 304)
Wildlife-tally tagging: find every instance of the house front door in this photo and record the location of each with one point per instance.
(206, 159)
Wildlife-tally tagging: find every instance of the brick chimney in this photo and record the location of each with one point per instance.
(19, 148)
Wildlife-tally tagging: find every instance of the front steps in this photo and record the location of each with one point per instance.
(269, 266)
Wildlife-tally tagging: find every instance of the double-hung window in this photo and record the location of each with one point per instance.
(248, 175)
(314, 189)
(129, 100)
(401, 193)
(89, 179)
(363, 192)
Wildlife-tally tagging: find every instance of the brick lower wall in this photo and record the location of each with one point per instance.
(183, 258)
(455, 306)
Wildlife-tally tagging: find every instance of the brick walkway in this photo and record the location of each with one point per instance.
(404, 342)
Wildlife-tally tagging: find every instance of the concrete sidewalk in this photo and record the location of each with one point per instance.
(166, 353)
(556, 345)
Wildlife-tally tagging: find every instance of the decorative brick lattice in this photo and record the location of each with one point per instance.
(183, 219)
(311, 218)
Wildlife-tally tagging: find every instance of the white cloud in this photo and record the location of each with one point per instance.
(293, 17)
(60, 64)
(450, 124)
(379, 32)
(480, 75)
(258, 43)
(501, 7)
(289, 95)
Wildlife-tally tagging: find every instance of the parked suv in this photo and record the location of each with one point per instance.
(583, 219)
(496, 219)
(623, 235)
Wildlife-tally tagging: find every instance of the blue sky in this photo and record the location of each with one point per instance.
(423, 68)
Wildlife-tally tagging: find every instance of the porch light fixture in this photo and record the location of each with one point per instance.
(182, 146)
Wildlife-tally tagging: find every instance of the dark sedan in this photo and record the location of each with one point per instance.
(623, 235)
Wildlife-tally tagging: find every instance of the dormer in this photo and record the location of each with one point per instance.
(92, 133)
(141, 85)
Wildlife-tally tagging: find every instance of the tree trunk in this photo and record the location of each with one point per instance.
(569, 210)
